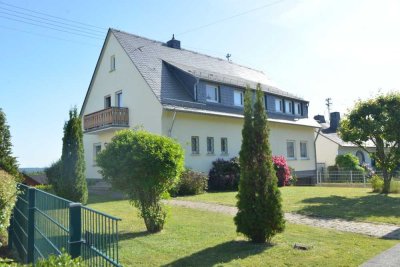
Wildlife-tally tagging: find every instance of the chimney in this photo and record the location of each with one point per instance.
(174, 43)
(319, 118)
(334, 121)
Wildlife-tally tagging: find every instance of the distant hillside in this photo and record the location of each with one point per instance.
(31, 170)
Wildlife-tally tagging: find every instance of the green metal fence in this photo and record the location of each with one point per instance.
(43, 224)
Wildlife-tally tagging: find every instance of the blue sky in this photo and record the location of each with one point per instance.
(343, 49)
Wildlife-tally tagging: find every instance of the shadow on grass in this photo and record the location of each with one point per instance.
(129, 235)
(357, 208)
(222, 253)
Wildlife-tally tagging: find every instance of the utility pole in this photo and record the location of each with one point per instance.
(228, 57)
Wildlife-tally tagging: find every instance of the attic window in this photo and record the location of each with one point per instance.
(212, 93)
(278, 105)
(297, 107)
(238, 98)
(112, 63)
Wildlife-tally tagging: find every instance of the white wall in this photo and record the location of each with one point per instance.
(144, 107)
(327, 150)
(187, 125)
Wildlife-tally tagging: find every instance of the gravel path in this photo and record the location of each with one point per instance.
(377, 230)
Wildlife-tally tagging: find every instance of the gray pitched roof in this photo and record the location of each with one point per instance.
(334, 137)
(149, 55)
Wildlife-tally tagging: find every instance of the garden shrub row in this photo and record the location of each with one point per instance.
(190, 183)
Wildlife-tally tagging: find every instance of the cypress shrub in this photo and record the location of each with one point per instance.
(260, 214)
(72, 184)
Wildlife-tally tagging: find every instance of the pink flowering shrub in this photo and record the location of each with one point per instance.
(282, 170)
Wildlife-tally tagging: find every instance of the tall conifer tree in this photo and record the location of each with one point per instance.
(260, 214)
(7, 162)
(72, 184)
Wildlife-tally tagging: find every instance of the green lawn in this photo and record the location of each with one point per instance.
(200, 238)
(339, 202)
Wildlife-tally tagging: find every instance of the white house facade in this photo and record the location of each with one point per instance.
(193, 98)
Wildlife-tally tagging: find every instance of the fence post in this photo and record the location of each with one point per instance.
(351, 177)
(31, 225)
(75, 230)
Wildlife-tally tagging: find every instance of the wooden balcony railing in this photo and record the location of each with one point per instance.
(109, 117)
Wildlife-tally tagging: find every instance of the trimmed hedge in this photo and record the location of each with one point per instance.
(190, 183)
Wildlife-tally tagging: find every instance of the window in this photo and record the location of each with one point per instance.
(238, 98)
(112, 63)
(212, 93)
(195, 145)
(210, 145)
(303, 150)
(96, 151)
(297, 107)
(107, 101)
(290, 150)
(278, 105)
(224, 145)
(118, 99)
(289, 107)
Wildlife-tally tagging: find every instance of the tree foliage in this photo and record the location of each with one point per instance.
(8, 194)
(144, 166)
(348, 162)
(72, 181)
(7, 162)
(376, 120)
(260, 214)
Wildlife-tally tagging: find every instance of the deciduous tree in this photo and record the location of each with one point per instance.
(376, 120)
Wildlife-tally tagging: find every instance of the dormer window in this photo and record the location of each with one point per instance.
(289, 107)
(212, 93)
(238, 98)
(112, 63)
(278, 105)
(297, 108)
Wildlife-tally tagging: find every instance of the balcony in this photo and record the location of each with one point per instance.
(106, 119)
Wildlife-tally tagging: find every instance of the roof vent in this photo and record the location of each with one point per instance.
(174, 43)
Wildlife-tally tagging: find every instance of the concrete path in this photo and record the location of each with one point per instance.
(387, 231)
(388, 258)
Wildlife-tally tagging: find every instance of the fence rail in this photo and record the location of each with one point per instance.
(43, 224)
(348, 177)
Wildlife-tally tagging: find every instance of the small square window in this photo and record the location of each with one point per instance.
(195, 145)
(290, 150)
(279, 105)
(112, 63)
(210, 145)
(238, 98)
(107, 101)
(303, 150)
(224, 145)
(212, 93)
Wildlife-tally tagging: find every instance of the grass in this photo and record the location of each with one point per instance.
(200, 238)
(357, 204)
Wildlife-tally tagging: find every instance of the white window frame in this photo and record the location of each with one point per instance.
(215, 89)
(288, 107)
(278, 104)
(306, 146)
(117, 94)
(95, 152)
(197, 141)
(105, 101)
(112, 63)
(294, 149)
(224, 139)
(238, 98)
(297, 108)
(210, 149)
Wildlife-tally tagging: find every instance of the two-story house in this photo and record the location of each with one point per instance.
(194, 98)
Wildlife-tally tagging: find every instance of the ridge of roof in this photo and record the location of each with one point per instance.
(188, 50)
